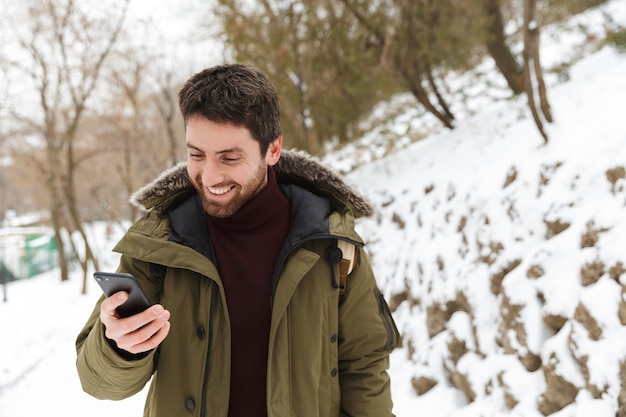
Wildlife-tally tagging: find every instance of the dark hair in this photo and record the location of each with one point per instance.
(237, 94)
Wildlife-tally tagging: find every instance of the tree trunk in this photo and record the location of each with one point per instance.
(541, 85)
(168, 110)
(415, 85)
(58, 236)
(414, 81)
(84, 264)
(70, 196)
(530, 38)
(312, 141)
(499, 50)
(56, 203)
(415, 67)
(442, 102)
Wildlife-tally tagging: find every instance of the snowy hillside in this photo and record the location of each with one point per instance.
(504, 258)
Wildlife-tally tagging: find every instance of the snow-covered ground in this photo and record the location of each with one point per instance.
(466, 169)
(38, 326)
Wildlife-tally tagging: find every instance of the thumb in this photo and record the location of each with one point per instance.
(114, 301)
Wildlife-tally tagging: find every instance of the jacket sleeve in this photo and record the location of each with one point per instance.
(103, 372)
(367, 335)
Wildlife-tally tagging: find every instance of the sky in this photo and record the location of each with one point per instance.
(175, 31)
(423, 192)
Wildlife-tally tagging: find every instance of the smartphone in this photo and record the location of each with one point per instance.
(112, 282)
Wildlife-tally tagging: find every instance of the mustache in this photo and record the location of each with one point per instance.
(198, 180)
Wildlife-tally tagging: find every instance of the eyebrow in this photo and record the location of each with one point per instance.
(236, 149)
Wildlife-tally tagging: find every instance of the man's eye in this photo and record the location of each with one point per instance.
(230, 159)
(195, 155)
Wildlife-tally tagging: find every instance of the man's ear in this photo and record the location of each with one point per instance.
(273, 151)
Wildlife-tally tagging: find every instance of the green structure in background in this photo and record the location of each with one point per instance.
(39, 255)
(26, 252)
(5, 274)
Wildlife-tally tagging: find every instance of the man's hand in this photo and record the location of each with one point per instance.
(135, 334)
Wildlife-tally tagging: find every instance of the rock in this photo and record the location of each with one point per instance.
(423, 384)
(559, 392)
(584, 317)
(591, 272)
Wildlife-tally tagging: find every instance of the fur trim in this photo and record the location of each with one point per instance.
(171, 180)
(294, 167)
(303, 169)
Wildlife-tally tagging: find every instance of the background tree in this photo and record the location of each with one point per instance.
(429, 35)
(496, 41)
(88, 111)
(66, 48)
(426, 37)
(325, 72)
(167, 105)
(533, 71)
(139, 123)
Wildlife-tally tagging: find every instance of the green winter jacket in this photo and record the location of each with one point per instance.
(327, 356)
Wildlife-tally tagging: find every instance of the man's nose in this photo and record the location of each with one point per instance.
(212, 174)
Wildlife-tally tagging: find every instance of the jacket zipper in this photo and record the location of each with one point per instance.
(385, 314)
(207, 366)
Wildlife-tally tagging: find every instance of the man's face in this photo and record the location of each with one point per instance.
(225, 164)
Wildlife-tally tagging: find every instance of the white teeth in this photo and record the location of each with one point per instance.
(219, 191)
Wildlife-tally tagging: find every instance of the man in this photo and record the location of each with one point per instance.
(239, 253)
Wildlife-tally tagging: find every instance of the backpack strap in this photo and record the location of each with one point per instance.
(346, 265)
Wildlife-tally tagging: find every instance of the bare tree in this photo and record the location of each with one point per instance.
(408, 36)
(167, 105)
(422, 35)
(129, 109)
(67, 45)
(496, 42)
(140, 122)
(533, 70)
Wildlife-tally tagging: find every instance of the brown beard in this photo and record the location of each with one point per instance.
(243, 194)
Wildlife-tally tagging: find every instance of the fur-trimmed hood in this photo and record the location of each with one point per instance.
(294, 167)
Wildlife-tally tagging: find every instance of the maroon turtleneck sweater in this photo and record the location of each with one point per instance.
(246, 245)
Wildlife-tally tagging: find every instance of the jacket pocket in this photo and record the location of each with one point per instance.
(394, 340)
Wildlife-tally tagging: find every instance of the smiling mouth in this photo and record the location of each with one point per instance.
(219, 190)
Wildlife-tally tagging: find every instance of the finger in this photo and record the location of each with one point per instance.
(110, 304)
(119, 328)
(108, 313)
(146, 338)
(136, 329)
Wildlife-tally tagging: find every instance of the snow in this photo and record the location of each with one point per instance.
(466, 170)
(443, 208)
